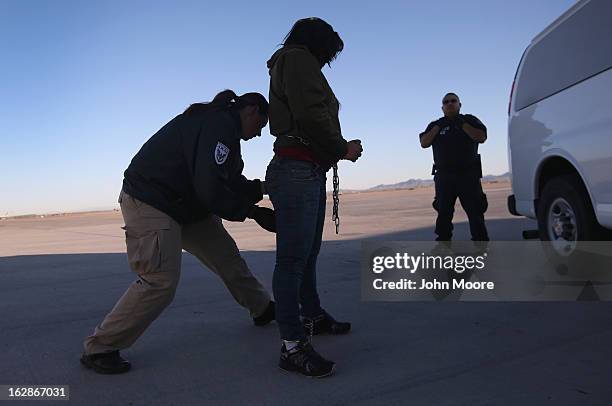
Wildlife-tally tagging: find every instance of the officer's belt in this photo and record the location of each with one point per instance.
(474, 166)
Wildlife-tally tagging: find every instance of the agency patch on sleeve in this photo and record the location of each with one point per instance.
(221, 153)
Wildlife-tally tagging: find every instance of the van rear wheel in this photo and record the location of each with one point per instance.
(565, 217)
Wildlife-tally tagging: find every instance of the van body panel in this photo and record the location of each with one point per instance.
(573, 123)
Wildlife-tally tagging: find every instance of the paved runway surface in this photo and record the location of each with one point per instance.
(60, 275)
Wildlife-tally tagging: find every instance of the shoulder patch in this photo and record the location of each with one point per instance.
(221, 153)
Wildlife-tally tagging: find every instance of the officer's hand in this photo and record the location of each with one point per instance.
(459, 121)
(443, 122)
(354, 150)
(264, 217)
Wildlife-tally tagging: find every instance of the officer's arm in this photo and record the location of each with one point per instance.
(235, 195)
(475, 133)
(217, 197)
(249, 190)
(427, 137)
(474, 128)
(215, 181)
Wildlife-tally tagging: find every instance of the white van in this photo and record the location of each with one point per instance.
(560, 128)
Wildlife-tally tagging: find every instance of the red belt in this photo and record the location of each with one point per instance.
(299, 153)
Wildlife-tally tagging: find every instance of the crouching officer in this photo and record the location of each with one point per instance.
(457, 169)
(175, 191)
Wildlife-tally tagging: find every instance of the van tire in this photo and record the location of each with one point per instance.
(571, 189)
(568, 189)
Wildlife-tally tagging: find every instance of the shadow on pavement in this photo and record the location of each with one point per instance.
(204, 348)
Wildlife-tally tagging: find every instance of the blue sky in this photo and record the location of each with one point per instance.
(85, 84)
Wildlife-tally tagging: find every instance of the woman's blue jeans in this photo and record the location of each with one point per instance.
(297, 191)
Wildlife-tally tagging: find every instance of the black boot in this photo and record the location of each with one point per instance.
(305, 360)
(106, 363)
(268, 315)
(325, 324)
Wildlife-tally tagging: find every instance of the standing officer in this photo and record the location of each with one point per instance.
(457, 169)
(177, 188)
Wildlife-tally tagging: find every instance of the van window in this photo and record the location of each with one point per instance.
(578, 48)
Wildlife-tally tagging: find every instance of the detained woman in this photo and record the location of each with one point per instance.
(304, 120)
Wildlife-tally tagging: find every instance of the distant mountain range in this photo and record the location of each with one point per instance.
(407, 184)
(415, 183)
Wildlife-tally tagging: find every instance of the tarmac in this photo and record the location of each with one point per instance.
(59, 276)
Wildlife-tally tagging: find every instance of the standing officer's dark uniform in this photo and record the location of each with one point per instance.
(457, 172)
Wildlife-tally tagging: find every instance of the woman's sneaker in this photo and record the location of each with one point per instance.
(325, 324)
(305, 360)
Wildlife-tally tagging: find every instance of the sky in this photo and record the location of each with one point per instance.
(84, 84)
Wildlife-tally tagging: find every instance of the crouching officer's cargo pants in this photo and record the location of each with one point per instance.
(154, 248)
(466, 186)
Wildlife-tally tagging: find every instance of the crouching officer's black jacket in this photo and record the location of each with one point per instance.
(453, 150)
(193, 167)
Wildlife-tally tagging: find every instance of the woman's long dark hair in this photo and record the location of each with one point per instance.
(318, 36)
(227, 99)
